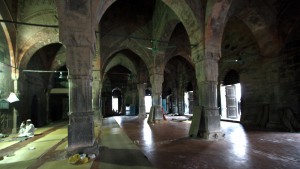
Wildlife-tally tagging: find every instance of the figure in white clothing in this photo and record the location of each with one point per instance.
(28, 131)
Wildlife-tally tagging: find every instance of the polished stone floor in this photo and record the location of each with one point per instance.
(131, 143)
(167, 146)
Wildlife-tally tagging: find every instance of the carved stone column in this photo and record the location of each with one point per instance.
(207, 121)
(81, 122)
(156, 80)
(77, 32)
(142, 108)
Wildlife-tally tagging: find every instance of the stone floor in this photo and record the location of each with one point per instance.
(128, 142)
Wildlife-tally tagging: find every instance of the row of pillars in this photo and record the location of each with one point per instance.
(77, 34)
(205, 124)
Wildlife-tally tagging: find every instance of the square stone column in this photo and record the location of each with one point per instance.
(81, 137)
(77, 32)
(142, 108)
(156, 113)
(206, 120)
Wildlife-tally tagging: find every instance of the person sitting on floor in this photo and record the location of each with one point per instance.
(29, 130)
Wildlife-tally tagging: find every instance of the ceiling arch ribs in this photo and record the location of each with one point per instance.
(100, 7)
(121, 30)
(267, 41)
(136, 41)
(162, 17)
(164, 23)
(130, 45)
(257, 16)
(180, 39)
(239, 46)
(193, 26)
(121, 59)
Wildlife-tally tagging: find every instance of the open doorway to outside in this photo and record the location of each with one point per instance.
(115, 104)
(230, 93)
(116, 101)
(231, 102)
(148, 100)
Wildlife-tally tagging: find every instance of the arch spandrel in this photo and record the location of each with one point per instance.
(140, 52)
(33, 45)
(60, 59)
(100, 7)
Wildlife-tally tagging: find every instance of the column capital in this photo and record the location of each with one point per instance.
(81, 114)
(200, 55)
(207, 70)
(77, 76)
(15, 74)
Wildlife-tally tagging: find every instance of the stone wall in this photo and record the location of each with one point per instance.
(5, 83)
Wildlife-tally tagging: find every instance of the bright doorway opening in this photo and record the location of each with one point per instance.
(231, 102)
(148, 103)
(115, 104)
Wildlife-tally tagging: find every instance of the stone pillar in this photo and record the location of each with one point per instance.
(180, 100)
(195, 125)
(15, 111)
(47, 105)
(123, 98)
(77, 32)
(207, 121)
(81, 123)
(133, 96)
(97, 83)
(100, 101)
(96, 95)
(142, 108)
(174, 101)
(180, 91)
(156, 80)
(191, 102)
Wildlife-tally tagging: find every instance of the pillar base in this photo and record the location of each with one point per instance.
(156, 114)
(81, 135)
(143, 116)
(212, 135)
(14, 131)
(71, 150)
